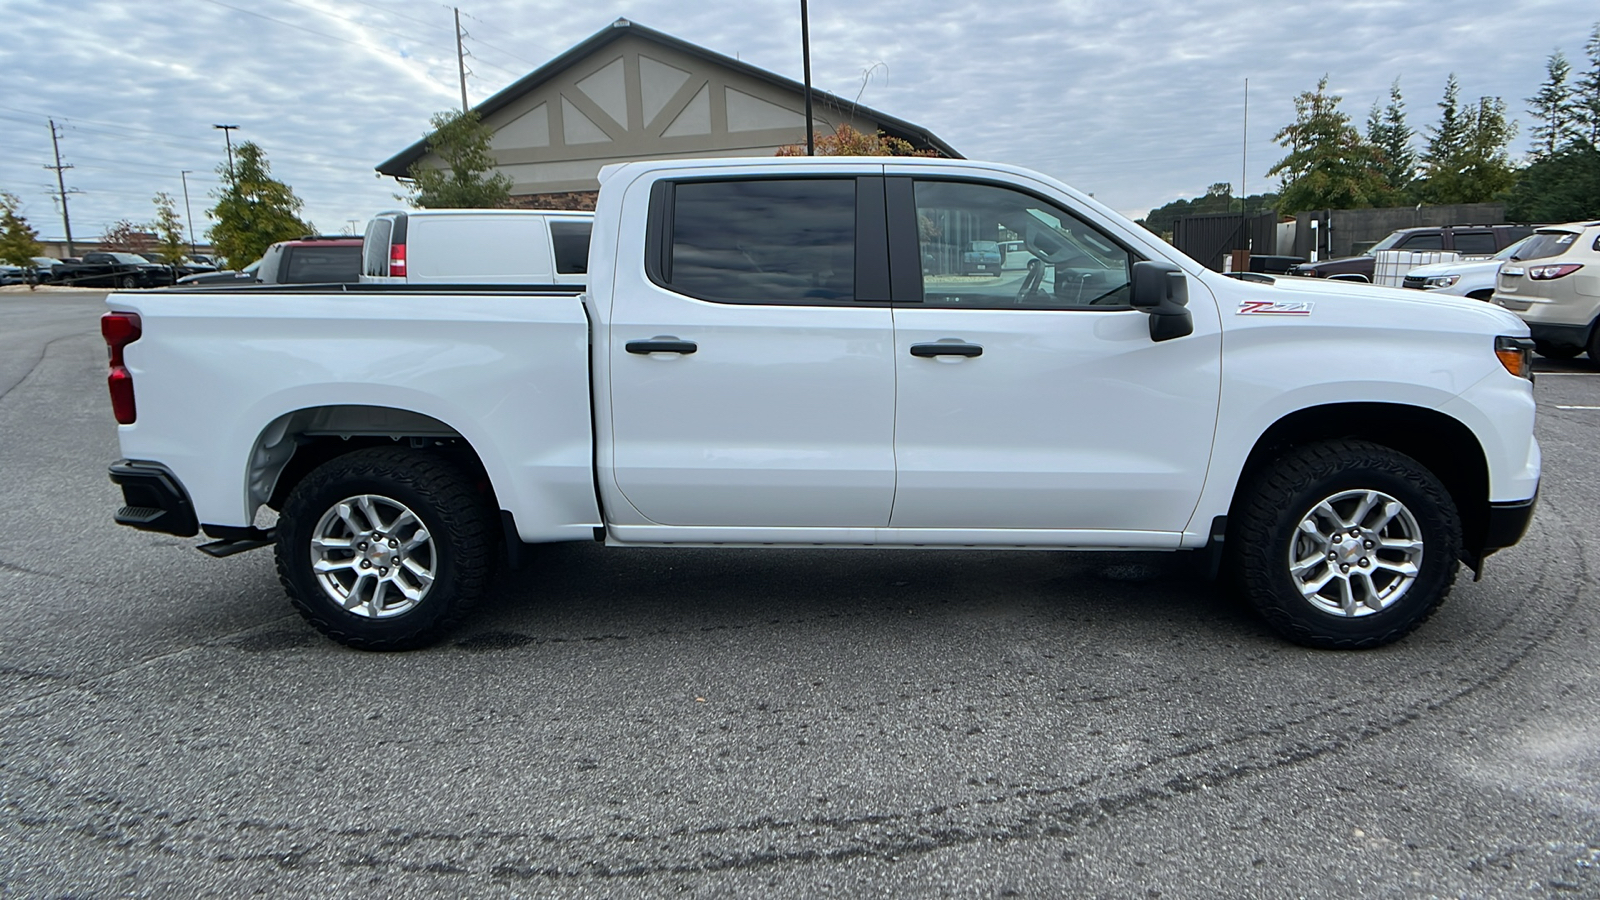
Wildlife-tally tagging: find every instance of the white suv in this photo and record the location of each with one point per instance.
(1553, 283)
(1465, 277)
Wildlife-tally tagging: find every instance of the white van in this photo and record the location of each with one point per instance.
(477, 246)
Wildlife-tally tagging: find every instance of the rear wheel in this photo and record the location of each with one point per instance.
(384, 549)
(128, 281)
(1346, 545)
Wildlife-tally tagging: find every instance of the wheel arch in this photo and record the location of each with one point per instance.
(1439, 442)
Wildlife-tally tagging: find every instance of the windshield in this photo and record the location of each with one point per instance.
(1384, 244)
(132, 259)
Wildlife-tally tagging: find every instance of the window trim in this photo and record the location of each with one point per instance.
(869, 274)
(906, 262)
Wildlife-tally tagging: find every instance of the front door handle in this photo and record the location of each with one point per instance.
(946, 348)
(662, 345)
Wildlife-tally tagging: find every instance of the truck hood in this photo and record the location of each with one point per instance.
(1456, 267)
(1351, 302)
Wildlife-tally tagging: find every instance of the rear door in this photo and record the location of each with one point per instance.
(750, 370)
(1034, 398)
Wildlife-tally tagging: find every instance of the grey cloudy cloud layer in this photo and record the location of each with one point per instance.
(1140, 103)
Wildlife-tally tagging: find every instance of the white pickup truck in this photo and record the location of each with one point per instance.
(785, 352)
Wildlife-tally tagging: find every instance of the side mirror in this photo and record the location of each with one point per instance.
(1162, 290)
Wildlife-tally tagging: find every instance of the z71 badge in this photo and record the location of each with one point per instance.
(1274, 308)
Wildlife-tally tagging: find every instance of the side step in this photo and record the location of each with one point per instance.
(235, 540)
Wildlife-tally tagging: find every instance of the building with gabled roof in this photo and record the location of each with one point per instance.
(629, 92)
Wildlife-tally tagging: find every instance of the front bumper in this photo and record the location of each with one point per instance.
(1507, 523)
(153, 499)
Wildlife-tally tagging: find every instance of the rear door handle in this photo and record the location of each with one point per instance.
(946, 348)
(662, 345)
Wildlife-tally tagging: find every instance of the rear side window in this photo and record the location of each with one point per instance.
(1422, 242)
(375, 249)
(322, 265)
(1546, 244)
(1474, 243)
(571, 245)
(762, 241)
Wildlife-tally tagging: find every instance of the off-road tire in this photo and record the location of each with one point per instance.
(1268, 514)
(456, 517)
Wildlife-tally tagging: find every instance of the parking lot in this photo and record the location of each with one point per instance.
(769, 723)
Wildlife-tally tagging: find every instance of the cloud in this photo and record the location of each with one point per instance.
(1138, 104)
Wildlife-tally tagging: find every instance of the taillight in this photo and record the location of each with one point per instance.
(1547, 273)
(397, 260)
(120, 329)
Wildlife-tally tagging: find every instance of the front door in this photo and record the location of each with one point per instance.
(749, 385)
(1048, 405)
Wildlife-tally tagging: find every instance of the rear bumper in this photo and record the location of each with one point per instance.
(1567, 335)
(153, 499)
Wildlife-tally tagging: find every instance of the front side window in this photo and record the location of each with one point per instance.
(1422, 242)
(1062, 262)
(763, 241)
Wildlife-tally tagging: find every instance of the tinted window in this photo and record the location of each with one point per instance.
(571, 242)
(375, 249)
(1474, 243)
(779, 241)
(1546, 244)
(1065, 263)
(322, 265)
(1422, 242)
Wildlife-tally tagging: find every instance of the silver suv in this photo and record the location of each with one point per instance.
(1553, 283)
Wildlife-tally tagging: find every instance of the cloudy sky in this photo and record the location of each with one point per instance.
(1139, 103)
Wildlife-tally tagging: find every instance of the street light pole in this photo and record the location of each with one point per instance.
(805, 52)
(227, 136)
(188, 212)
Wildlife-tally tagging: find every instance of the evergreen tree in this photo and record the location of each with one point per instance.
(170, 244)
(254, 210)
(1552, 108)
(1329, 166)
(1586, 95)
(1467, 159)
(461, 141)
(19, 242)
(1389, 133)
(1562, 187)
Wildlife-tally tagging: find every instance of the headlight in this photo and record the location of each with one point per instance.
(1440, 281)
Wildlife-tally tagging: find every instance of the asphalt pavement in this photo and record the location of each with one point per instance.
(786, 723)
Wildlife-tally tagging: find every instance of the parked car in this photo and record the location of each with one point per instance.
(43, 270)
(313, 259)
(13, 275)
(246, 275)
(1553, 283)
(477, 246)
(1466, 240)
(1462, 277)
(981, 256)
(115, 270)
(754, 366)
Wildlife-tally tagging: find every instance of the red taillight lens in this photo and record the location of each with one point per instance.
(1547, 273)
(120, 329)
(397, 260)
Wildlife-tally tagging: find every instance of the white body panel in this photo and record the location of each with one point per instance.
(480, 246)
(811, 425)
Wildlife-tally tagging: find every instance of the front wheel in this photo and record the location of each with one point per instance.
(128, 281)
(384, 549)
(1346, 544)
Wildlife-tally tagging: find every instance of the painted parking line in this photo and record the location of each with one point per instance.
(1559, 406)
(1542, 374)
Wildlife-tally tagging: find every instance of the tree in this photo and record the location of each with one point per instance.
(1467, 159)
(1217, 199)
(461, 141)
(1553, 109)
(846, 141)
(19, 242)
(1561, 187)
(125, 237)
(254, 210)
(170, 244)
(1389, 132)
(1586, 94)
(1329, 165)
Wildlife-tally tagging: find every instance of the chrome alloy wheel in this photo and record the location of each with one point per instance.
(1356, 553)
(373, 556)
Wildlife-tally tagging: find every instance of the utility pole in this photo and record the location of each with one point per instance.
(61, 184)
(461, 60)
(1244, 150)
(188, 212)
(805, 51)
(227, 136)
